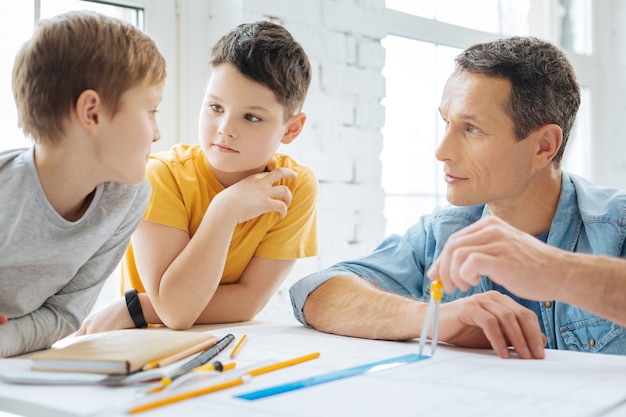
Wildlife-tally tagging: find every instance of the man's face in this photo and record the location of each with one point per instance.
(482, 161)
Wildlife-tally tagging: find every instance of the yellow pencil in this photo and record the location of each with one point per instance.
(168, 360)
(215, 366)
(238, 347)
(223, 385)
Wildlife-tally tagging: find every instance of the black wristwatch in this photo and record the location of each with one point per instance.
(134, 308)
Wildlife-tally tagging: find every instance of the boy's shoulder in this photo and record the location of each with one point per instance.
(16, 166)
(179, 154)
(179, 158)
(10, 157)
(281, 160)
(306, 180)
(119, 191)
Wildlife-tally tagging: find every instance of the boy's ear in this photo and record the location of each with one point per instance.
(294, 127)
(549, 140)
(88, 111)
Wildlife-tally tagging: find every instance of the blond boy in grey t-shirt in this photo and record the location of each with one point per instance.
(86, 88)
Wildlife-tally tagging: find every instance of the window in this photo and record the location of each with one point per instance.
(419, 59)
(505, 17)
(17, 27)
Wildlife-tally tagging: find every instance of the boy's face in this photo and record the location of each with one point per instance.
(482, 161)
(241, 125)
(130, 133)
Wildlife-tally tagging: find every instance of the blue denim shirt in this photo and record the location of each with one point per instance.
(588, 219)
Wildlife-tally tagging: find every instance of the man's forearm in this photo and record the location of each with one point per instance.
(351, 306)
(596, 284)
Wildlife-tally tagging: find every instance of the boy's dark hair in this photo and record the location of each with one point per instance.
(74, 52)
(544, 89)
(267, 53)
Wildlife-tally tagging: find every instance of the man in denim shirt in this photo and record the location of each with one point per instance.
(509, 107)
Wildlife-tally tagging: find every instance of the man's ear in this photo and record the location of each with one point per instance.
(550, 138)
(294, 127)
(88, 111)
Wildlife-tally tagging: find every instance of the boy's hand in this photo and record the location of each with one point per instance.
(112, 317)
(3, 319)
(255, 195)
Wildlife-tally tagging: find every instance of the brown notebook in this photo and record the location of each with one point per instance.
(117, 352)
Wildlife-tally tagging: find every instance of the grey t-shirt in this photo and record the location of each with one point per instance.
(51, 269)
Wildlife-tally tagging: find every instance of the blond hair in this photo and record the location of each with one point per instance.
(74, 52)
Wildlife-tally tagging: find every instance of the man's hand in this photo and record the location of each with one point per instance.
(516, 260)
(3, 319)
(112, 317)
(494, 320)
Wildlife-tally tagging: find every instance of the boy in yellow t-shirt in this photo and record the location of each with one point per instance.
(228, 217)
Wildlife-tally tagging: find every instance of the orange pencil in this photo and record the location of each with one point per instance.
(228, 384)
(238, 347)
(168, 360)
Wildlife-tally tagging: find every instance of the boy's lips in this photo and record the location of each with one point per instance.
(223, 148)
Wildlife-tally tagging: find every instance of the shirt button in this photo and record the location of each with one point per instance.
(548, 304)
(592, 342)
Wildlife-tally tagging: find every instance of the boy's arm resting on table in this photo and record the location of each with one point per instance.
(232, 302)
(239, 301)
(63, 312)
(36, 330)
(243, 300)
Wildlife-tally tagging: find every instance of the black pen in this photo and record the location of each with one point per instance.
(201, 359)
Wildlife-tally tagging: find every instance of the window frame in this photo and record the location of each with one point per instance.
(588, 68)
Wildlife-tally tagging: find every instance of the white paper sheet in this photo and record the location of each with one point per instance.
(458, 382)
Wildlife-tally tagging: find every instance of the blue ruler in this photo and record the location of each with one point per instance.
(333, 376)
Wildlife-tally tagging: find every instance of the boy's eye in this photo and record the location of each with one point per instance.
(216, 108)
(252, 118)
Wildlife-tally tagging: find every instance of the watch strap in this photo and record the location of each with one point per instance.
(134, 308)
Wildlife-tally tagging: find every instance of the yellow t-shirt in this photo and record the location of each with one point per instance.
(182, 189)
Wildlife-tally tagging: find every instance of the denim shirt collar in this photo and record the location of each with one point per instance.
(567, 222)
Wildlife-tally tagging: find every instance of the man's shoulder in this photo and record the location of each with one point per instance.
(594, 199)
(444, 221)
(461, 214)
